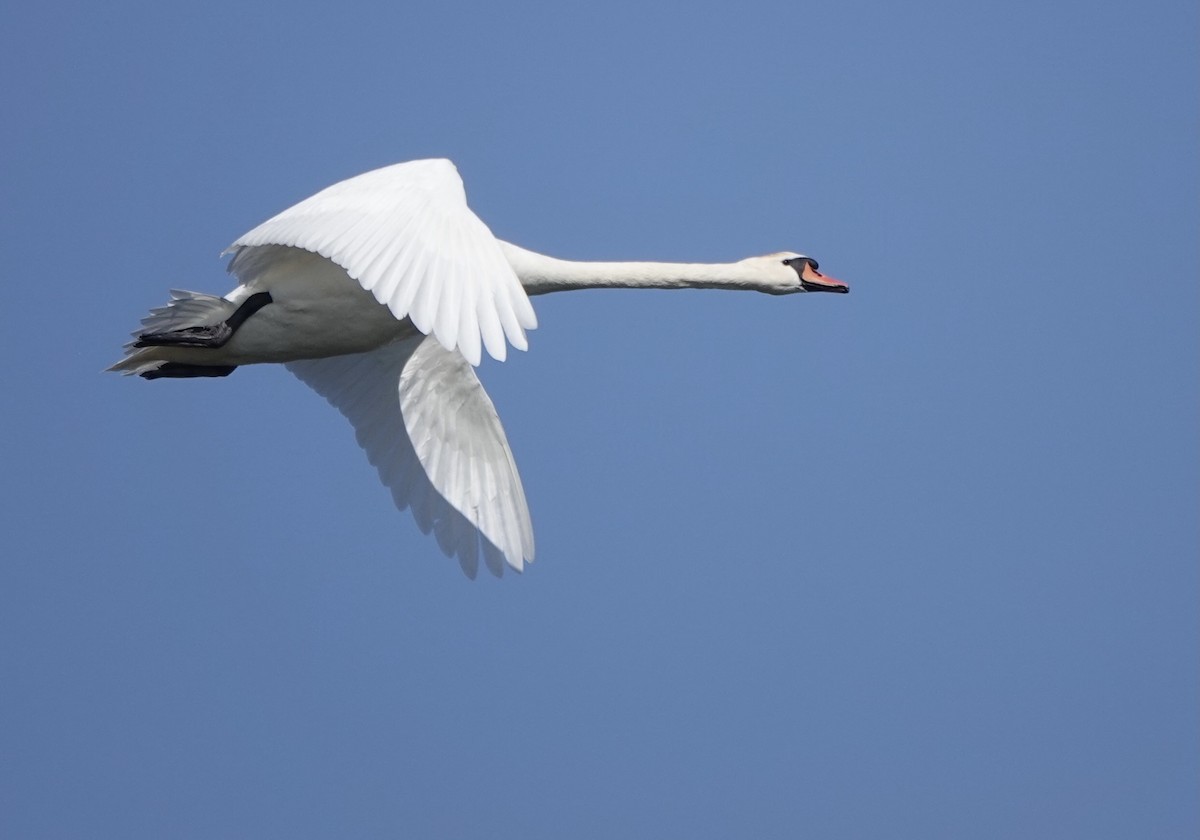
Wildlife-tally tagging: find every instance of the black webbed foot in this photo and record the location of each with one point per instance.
(177, 370)
(214, 335)
(206, 335)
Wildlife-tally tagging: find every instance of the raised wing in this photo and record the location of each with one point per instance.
(406, 234)
(430, 430)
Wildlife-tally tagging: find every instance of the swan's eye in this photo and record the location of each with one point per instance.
(808, 260)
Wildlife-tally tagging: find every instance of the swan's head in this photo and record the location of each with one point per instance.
(787, 272)
(804, 277)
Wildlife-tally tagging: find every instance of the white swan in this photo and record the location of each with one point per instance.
(344, 288)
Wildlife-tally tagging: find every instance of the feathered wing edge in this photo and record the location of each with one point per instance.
(430, 430)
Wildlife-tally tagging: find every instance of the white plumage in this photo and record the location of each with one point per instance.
(444, 420)
(406, 235)
(344, 289)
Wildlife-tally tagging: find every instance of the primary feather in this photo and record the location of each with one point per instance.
(429, 429)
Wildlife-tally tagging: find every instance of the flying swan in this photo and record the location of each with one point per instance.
(380, 293)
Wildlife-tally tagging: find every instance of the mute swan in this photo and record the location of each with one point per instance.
(378, 293)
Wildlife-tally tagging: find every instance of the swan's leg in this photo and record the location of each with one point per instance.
(210, 335)
(178, 370)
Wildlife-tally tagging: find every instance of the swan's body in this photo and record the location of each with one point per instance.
(381, 292)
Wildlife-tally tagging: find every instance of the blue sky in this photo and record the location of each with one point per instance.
(920, 561)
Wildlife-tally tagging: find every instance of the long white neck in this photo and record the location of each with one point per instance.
(540, 274)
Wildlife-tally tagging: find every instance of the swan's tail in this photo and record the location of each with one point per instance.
(185, 310)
